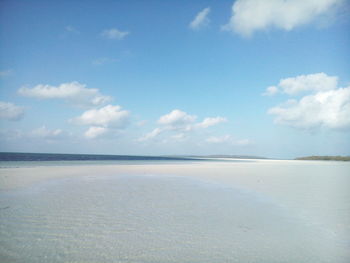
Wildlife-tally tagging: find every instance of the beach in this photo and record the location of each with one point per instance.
(200, 211)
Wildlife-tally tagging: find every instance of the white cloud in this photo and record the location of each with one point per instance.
(207, 122)
(228, 139)
(329, 109)
(201, 20)
(151, 134)
(73, 92)
(114, 33)
(252, 15)
(182, 122)
(108, 116)
(94, 132)
(312, 82)
(177, 119)
(9, 111)
(270, 91)
(303, 83)
(46, 133)
(157, 131)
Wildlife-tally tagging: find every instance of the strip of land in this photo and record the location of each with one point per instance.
(325, 158)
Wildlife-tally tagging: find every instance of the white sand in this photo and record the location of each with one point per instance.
(270, 205)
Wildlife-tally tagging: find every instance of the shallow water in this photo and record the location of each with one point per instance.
(154, 219)
(155, 161)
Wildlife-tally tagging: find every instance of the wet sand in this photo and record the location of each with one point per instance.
(253, 211)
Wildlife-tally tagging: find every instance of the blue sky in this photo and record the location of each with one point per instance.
(267, 78)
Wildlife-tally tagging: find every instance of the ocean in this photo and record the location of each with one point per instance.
(43, 157)
(12, 159)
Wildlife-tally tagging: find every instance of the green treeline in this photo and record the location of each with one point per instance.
(325, 158)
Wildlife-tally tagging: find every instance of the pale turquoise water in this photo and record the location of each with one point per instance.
(23, 164)
(155, 219)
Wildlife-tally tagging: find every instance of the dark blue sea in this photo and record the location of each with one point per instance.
(13, 156)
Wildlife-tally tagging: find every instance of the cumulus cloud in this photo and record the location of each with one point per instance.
(114, 33)
(228, 139)
(73, 92)
(94, 132)
(11, 112)
(177, 119)
(329, 109)
(108, 116)
(249, 16)
(270, 91)
(201, 20)
(325, 105)
(211, 121)
(312, 82)
(151, 134)
(180, 121)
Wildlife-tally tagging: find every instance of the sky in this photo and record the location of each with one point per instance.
(160, 77)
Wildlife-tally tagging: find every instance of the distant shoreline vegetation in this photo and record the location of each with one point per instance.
(325, 158)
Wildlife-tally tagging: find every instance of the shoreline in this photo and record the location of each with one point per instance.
(24, 175)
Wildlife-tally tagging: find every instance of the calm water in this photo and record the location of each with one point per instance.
(155, 219)
(12, 160)
(23, 164)
(42, 157)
